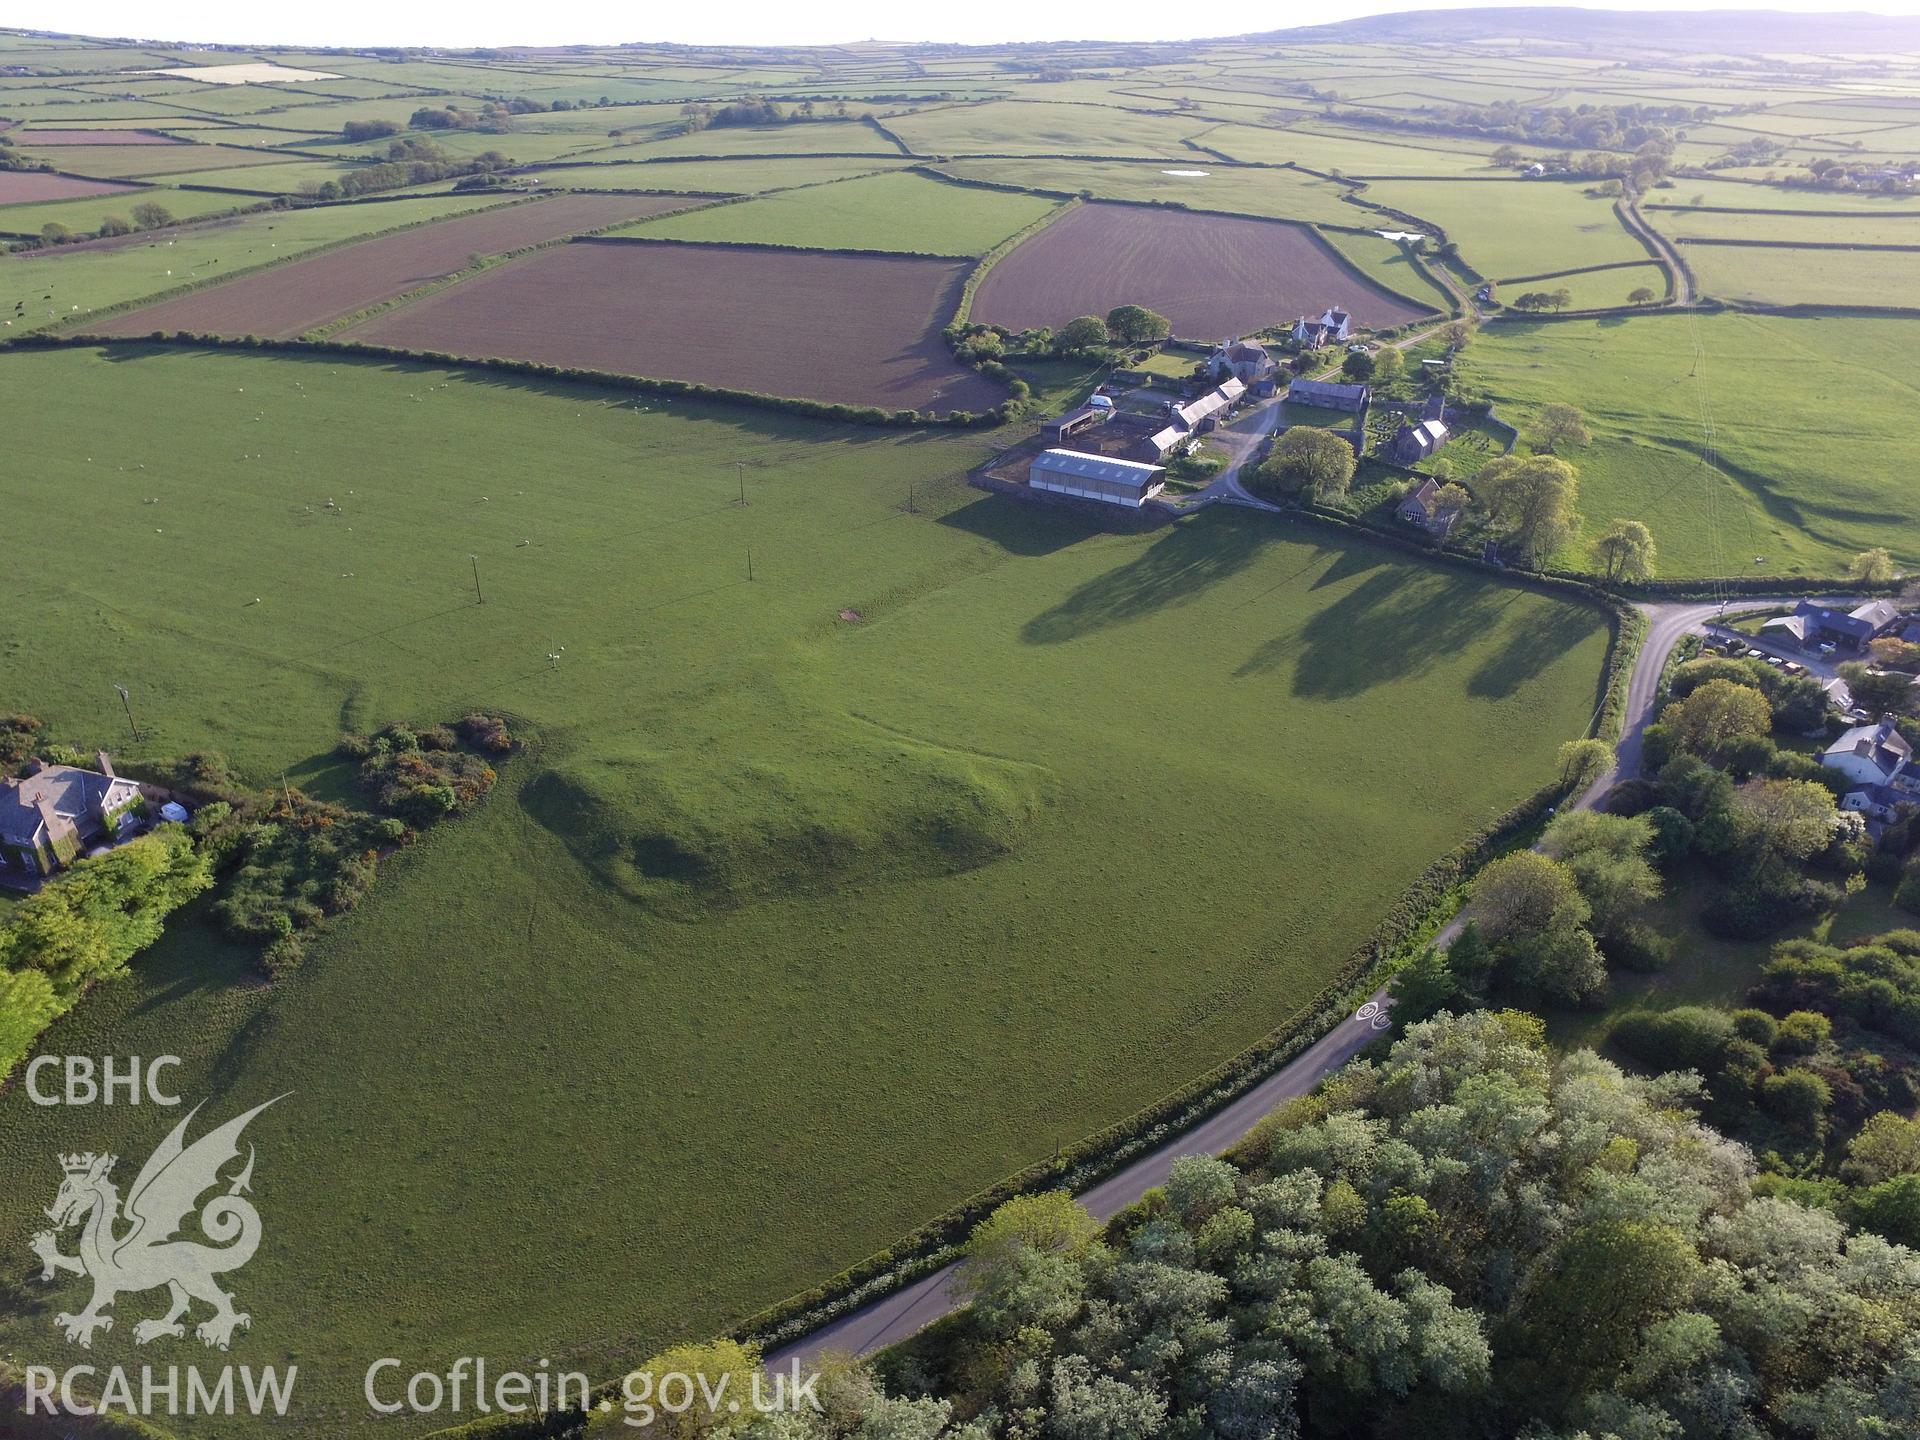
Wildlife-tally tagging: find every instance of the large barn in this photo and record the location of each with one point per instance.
(1095, 477)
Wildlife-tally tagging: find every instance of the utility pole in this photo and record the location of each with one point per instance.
(912, 507)
(127, 705)
(749, 562)
(740, 474)
(479, 598)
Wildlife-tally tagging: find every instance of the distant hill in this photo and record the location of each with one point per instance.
(1744, 32)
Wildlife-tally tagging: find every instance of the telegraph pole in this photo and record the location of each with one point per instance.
(127, 705)
(479, 598)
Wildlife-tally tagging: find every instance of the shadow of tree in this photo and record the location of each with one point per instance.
(1391, 626)
(1175, 570)
(1530, 648)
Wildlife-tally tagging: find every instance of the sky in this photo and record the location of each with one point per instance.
(736, 22)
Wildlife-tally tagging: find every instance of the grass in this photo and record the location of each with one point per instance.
(1516, 227)
(1034, 127)
(1809, 419)
(89, 279)
(1886, 228)
(1596, 289)
(902, 212)
(1772, 276)
(1352, 153)
(1271, 194)
(1386, 261)
(790, 931)
(83, 216)
(818, 137)
(717, 177)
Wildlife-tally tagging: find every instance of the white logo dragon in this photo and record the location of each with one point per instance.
(146, 1255)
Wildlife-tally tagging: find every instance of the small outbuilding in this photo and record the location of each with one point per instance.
(1130, 483)
(1331, 395)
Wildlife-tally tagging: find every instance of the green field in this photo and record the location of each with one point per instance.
(1351, 153)
(81, 216)
(90, 278)
(1034, 127)
(1596, 289)
(716, 177)
(1773, 276)
(1386, 261)
(1278, 194)
(821, 137)
(912, 213)
(1516, 227)
(715, 996)
(1810, 420)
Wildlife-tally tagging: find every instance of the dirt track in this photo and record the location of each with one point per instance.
(1212, 275)
(301, 295)
(853, 329)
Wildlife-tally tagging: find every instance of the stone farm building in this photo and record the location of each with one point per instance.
(1421, 506)
(49, 818)
(1331, 395)
(1096, 477)
(1332, 327)
(1812, 626)
(1246, 361)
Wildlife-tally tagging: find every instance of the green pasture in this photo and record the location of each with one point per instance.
(84, 215)
(290, 176)
(1881, 228)
(790, 929)
(1386, 261)
(137, 162)
(1774, 276)
(1516, 227)
(816, 137)
(905, 212)
(1036, 127)
(717, 177)
(1809, 419)
(92, 277)
(1596, 289)
(1354, 153)
(1274, 194)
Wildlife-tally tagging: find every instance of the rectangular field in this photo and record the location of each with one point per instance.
(907, 213)
(855, 330)
(1033, 127)
(94, 137)
(1212, 275)
(1774, 275)
(1516, 227)
(25, 187)
(1197, 181)
(292, 299)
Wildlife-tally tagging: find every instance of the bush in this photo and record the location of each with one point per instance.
(283, 957)
(1802, 1033)
(1689, 1037)
(1756, 1027)
(487, 733)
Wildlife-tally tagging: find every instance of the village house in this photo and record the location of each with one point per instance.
(1334, 326)
(1877, 761)
(1331, 395)
(48, 819)
(1813, 627)
(1417, 440)
(1246, 361)
(1096, 477)
(1421, 506)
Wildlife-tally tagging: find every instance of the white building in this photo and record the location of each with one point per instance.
(1095, 477)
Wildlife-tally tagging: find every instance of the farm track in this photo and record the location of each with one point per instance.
(284, 301)
(1663, 251)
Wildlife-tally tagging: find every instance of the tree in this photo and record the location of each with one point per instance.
(1527, 894)
(1625, 552)
(1560, 299)
(1792, 819)
(1457, 334)
(1875, 565)
(1532, 500)
(1311, 460)
(705, 1376)
(1641, 295)
(1715, 717)
(1607, 857)
(1135, 324)
(1582, 762)
(1879, 692)
(1610, 1282)
(1559, 425)
(1887, 1145)
(1087, 332)
(115, 225)
(148, 215)
(1388, 365)
(1425, 987)
(54, 233)
(1358, 366)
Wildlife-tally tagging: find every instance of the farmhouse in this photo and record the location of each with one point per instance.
(1096, 477)
(1878, 761)
(1422, 507)
(1244, 360)
(49, 817)
(1331, 394)
(1812, 626)
(1333, 326)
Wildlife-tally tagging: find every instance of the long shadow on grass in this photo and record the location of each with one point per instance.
(1030, 530)
(1176, 569)
(1393, 626)
(1530, 648)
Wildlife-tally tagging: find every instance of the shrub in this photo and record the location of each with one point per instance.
(1688, 1037)
(486, 733)
(1755, 1026)
(283, 956)
(1802, 1033)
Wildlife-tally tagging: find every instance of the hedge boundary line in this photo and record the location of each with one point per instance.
(1809, 310)
(833, 411)
(1761, 210)
(602, 237)
(963, 311)
(1582, 270)
(1750, 244)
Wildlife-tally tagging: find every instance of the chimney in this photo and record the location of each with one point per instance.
(106, 765)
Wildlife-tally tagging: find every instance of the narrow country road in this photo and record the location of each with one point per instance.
(896, 1316)
(1664, 251)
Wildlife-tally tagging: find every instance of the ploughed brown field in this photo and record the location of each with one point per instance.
(1213, 276)
(849, 329)
(94, 137)
(283, 301)
(17, 187)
